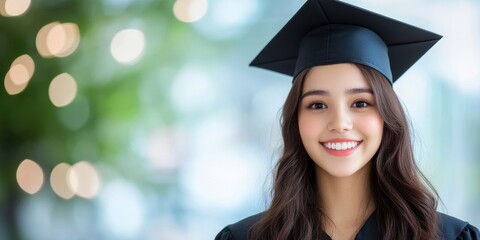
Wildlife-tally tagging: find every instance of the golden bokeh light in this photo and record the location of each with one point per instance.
(59, 181)
(22, 69)
(84, 180)
(63, 39)
(11, 87)
(41, 39)
(190, 10)
(2, 8)
(19, 74)
(127, 46)
(57, 39)
(13, 8)
(29, 176)
(62, 90)
(72, 39)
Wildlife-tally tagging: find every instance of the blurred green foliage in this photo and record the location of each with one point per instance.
(30, 125)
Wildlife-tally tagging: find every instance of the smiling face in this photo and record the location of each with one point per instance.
(338, 120)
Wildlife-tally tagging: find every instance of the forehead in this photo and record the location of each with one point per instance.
(335, 76)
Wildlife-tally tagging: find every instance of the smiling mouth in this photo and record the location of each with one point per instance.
(341, 146)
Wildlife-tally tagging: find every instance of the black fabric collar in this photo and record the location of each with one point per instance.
(368, 230)
(449, 227)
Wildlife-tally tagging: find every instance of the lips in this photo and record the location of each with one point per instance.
(341, 147)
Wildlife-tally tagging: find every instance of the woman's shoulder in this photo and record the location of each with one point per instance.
(238, 230)
(454, 228)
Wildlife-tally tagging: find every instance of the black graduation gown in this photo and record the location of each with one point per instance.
(452, 229)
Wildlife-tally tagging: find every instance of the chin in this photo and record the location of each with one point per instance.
(341, 174)
(342, 171)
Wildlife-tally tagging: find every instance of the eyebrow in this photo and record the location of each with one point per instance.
(327, 93)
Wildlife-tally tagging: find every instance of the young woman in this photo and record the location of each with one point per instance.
(347, 169)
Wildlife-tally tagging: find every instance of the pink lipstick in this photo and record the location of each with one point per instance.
(341, 147)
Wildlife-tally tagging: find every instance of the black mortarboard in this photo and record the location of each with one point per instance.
(329, 31)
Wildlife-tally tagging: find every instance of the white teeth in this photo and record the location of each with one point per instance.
(340, 146)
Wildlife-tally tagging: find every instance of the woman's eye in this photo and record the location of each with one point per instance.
(360, 104)
(317, 106)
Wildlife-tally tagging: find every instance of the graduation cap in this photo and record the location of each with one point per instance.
(329, 31)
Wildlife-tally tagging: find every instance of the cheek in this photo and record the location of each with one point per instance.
(372, 126)
(308, 125)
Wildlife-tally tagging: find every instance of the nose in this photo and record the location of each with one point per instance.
(340, 120)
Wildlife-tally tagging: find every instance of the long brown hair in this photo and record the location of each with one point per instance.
(405, 201)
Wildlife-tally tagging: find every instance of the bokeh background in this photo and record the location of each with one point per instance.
(140, 119)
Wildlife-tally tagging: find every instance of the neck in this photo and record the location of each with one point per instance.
(346, 201)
